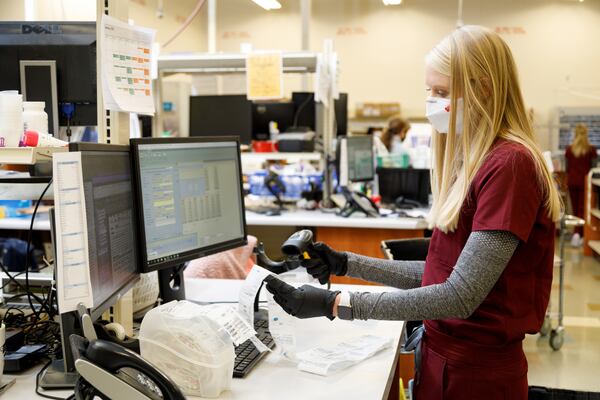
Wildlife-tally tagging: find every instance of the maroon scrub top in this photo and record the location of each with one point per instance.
(487, 346)
(578, 167)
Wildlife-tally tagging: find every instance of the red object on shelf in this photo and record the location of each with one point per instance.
(264, 146)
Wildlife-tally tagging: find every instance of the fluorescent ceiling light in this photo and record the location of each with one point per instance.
(392, 2)
(268, 4)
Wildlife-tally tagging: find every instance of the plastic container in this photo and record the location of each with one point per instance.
(37, 139)
(257, 183)
(264, 146)
(190, 348)
(11, 118)
(34, 116)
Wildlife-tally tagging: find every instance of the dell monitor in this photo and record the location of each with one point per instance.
(54, 62)
(224, 115)
(190, 203)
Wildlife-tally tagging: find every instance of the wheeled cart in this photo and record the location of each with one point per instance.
(557, 335)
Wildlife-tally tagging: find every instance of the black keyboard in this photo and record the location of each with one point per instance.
(246, 354)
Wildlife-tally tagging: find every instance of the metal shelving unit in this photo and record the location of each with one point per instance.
(235, 63)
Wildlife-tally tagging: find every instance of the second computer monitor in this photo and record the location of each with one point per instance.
(361, 165)
(190, 190)
(224, 115)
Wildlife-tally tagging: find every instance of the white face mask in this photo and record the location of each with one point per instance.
(437, 111)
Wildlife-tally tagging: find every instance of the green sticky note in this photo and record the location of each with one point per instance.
(130, 80)
(129, 70)
(131, 91)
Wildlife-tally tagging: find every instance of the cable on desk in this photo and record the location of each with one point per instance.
(19, 284)
(27, 257)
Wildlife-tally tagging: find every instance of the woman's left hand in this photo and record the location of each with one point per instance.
(304, 302)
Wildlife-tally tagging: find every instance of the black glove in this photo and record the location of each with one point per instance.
(325, 261)
(304, 302)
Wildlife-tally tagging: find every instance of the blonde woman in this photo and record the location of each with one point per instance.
(487, 278)
(580, 156)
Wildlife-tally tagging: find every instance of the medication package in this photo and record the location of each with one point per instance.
(327, 360)
(193, 344)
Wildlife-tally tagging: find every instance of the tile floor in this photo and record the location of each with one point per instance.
(576, 366)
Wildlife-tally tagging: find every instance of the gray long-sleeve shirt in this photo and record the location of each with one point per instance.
(477, 270)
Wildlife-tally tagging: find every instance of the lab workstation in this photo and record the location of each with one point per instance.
(299, 199)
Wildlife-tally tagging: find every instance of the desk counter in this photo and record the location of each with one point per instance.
(275, 378)
(322, 219)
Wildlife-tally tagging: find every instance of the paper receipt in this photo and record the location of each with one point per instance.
(234, 324)
(326, 360)
(249, 290)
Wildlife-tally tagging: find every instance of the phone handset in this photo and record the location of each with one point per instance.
(358, 201)
(118, 373)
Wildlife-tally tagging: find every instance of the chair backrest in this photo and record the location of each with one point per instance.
(406, 249)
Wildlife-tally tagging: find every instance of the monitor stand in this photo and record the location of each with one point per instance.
(61, 373)
(171, 283)
(55, 377)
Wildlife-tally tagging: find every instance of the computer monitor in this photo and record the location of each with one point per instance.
(111, 221)
(408, 183)
(305, 111)
(356, 159)
(190, 203)
(225, 115)
(112, 253)
(263, 113)
(54, 62)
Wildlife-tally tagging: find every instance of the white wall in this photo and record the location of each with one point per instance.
(47, 10)
(382, 48)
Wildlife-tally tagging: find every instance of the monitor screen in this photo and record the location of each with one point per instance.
(111, 220)
(72, 46)
(361, 165)
(264, 113)
(190, 191)
(225, 115)
(305, 111)
(411, 184)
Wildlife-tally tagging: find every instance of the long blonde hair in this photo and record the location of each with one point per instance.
(482, 71)
(581, 144)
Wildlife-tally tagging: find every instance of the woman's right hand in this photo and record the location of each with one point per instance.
(324, 261)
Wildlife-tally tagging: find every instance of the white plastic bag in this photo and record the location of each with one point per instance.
(191, 348)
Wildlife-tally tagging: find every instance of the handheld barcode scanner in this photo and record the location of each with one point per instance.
(295, 249)
(297, 245)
